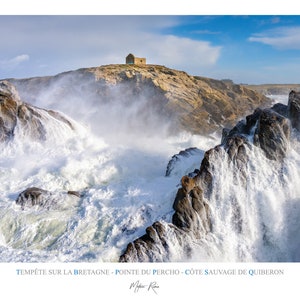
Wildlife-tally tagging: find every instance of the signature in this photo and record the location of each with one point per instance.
(149, 287)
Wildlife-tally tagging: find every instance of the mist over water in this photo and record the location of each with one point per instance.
(120, 114)
(117, 158)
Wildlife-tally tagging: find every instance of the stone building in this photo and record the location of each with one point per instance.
(133, 60)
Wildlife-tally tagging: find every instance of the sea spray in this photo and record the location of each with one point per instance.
(120, 171)
(123, 188)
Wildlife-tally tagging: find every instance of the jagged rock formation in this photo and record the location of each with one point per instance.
(29, 120)
(266, 129)
(196, 104)
(294, 109)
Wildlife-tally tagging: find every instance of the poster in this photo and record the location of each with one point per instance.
(101, 189)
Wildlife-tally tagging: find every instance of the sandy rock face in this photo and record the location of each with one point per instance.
(196, 104)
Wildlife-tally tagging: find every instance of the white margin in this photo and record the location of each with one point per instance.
(148, 7)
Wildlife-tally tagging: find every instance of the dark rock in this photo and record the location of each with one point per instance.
(272, 134)
(251, 120)
(294, 109)
(191, 212)
(74, 193)
(236, 148)
(205, 177)
(281, 109)
(156, 245)
(191, 218)
(34, 197)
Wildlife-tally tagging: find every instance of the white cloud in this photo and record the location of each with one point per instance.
(70, 42)
(14, 62)
(280, 38)
(183, 53)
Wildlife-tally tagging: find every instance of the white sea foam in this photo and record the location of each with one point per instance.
(123, 185)
(267, 207)
(121, 175)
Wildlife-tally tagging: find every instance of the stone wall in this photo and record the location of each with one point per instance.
(131, 59)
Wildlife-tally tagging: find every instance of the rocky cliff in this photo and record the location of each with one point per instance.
(18, 117)
(196, 104)
(268, 130)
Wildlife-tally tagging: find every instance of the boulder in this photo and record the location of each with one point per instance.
(34, 196)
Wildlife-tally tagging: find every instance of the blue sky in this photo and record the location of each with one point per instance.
(247, 49)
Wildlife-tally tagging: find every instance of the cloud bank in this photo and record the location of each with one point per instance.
(61, 43)
(282, 38)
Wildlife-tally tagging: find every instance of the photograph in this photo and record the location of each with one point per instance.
(143, 152)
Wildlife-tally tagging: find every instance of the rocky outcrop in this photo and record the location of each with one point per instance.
(9, 102)
(294, 109)
(28, 120)
(196, 104)
(265, 129)
(272, 134)
(34, 196)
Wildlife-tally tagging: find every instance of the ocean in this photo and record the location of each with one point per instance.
(116, 158)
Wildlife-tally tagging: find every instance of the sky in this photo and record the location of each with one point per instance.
(251, 49)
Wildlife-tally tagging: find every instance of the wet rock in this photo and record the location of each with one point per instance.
(191, 212)
(30, 121)
(8, 110)
(281, 109)
(294, 109)
(272, 134)
(34, 196)
(205, 177)
(157, 245)
(75, 193)
(268, 129)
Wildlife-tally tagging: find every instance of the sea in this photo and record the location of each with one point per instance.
(116, 158)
